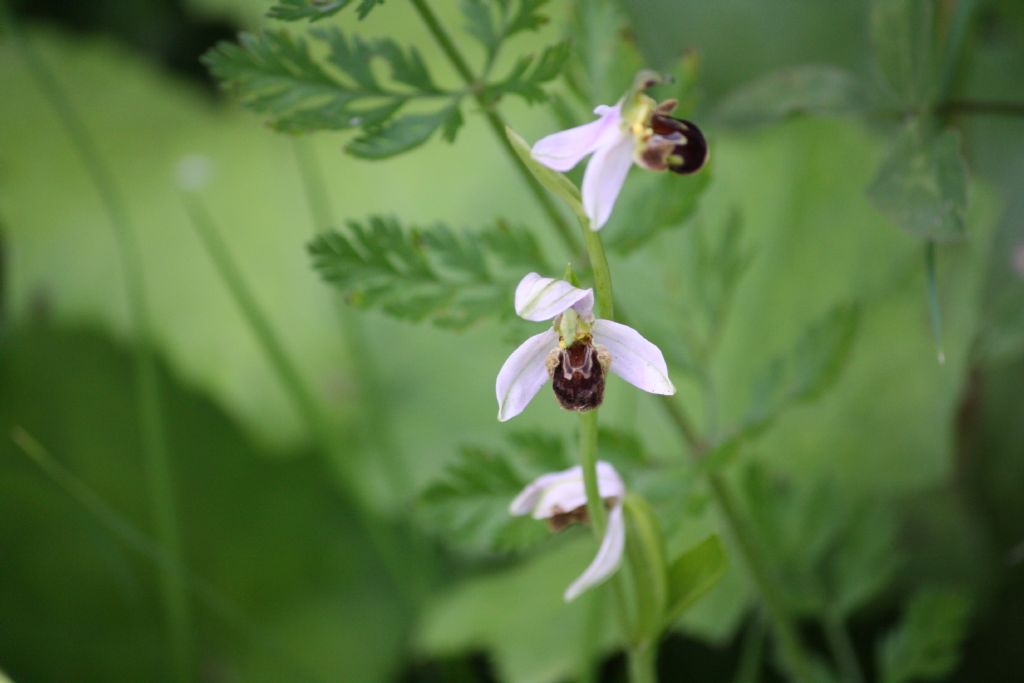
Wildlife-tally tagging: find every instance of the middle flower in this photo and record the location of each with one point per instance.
(576, 353)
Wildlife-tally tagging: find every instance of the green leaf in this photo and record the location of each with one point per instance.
(529, 73)
(492, 23)
(926, 644)
(693, 574)
(555, 182)
(451, 279)
(903, 38)
(645, 550)
(400, 135)
(275, 74)
(517, 615)
(468, 506)
(667, 202)
(314, 10)
(809, 89)
(921, 184)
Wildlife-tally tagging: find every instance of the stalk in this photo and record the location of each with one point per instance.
(496, 123)
(155, 455)
(407, 579)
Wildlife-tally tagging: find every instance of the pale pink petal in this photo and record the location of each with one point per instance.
(634, 359)
(604, 177)
(523, 374)
(528, 499)
(563, 150)
(564, 491)
(608, 558)
(542, 298)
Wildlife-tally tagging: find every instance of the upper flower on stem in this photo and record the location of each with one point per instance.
(636, 129)
(561, 498)
(576, 352)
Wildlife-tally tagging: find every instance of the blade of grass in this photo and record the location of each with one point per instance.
(154, 444)
(137, 541)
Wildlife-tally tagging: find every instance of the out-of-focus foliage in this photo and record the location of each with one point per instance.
(925, 646)
(275, 564)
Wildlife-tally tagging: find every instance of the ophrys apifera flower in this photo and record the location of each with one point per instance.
(575, 353)
(561, 499)
(638, 130)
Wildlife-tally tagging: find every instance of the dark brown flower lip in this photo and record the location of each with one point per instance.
(692, 148)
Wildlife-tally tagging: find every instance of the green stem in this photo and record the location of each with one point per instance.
(641, 659)
(135, 540)
(602, 273)
(588, 461)
(374, 408)
(496, 123)
(155, 455)
(793, 652)
(407, 578)
(841, 646)
(934, 310)
(302, 396)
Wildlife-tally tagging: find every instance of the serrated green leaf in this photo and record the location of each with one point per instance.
(479, 23)
(492, 23)
(555, 182)
(693, 574)
(903, 40)
(402, 134)
(469, 504)
(926, 644)
(809, 89)
(275, 74)
(314, 10)
(529, 73)
(668, 201)
(921, 184)
(435, 274)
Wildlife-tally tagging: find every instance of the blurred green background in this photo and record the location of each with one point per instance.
(892, 501)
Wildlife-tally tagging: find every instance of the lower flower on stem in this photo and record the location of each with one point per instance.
(560, 498)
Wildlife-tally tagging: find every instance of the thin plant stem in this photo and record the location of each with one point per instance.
(841, 646)
(588, 461)
(641, 661)
(380, 536)
(772, 600)
(749, 667)
(156, 458)
(602, 273)
(302, 396)
(934, 310)
(137, 541)
(496, 123)
(374, 408)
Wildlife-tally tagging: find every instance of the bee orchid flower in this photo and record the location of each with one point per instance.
(635, 130)
(575, 353)
(560, 498)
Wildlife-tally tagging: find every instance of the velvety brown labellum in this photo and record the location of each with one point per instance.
(578, 378)
(693, 148)
(561, 519)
